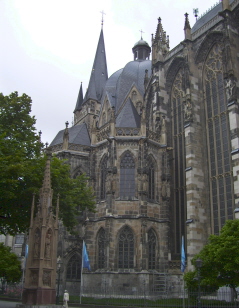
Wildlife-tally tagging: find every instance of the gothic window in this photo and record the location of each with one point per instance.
(103, 173)
(73, 270)
(218, 139)
(151, 250)
(179, 212)
(126, 248)
(151, 179)
(101, 249)
(127, 176)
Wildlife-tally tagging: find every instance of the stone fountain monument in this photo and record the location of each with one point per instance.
(40, 277)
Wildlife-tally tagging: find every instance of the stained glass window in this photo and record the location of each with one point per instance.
(151, 249)
(74, 268)
(127, 176)
(220, 169)
(103, 173)
(179, 212)
(101, 248)
(151, 179)
(126, 248)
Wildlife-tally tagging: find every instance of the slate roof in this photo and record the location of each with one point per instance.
(79, 99)
(133, 73)
(110, 88)
(120, 83)
(208, 16)
(78, 134)
(128, 116)
(99, 73)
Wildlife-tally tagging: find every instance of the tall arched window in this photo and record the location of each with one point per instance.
(74, 268)
(103, 173)
(151, 250)
(179, 211)
(220, 169)
(101, 249)
(151, 179)
(126, 248)
(127, 176)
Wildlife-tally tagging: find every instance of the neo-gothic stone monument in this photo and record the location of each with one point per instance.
(40, 279)
(159, 140)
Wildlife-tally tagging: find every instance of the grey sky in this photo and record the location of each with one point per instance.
(48, 46)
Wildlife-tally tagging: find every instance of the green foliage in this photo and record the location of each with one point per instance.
(75, 194)
(19, 145)
(22, 168)
(10, 266)
(220, 260)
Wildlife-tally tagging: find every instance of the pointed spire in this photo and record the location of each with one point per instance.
(99, 74)
(187, 28)
(160, 43)
(79, 99)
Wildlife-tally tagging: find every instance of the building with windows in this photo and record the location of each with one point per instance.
(159, 140)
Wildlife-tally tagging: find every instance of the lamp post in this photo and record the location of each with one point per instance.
(199, 265)
(58, 279)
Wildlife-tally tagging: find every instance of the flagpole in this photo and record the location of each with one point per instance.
(183, 265)
(81, 275)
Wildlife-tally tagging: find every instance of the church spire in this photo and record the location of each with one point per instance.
(99, 73)
(79, 99)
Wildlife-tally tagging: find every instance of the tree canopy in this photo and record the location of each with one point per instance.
(22, 166)
(220, 260)
(10, 266)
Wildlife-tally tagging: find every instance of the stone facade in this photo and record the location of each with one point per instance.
(159, 141)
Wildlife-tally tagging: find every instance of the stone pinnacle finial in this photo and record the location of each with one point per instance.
(187, 28)
(47, 173)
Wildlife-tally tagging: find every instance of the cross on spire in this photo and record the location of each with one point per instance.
(102, 20)
(141, 33)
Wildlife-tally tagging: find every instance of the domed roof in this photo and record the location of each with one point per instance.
(120, 83)
(141, 43)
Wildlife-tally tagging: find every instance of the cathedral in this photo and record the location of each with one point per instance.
(159, 142)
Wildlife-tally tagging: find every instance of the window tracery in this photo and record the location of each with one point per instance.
(126, 248)
(151, 179)
(218, 139)
(101, 248)
(179, 157)
(151, 250)
(73, 270)
(127, 176)
(103, 174)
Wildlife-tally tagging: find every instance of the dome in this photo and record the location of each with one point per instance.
(141, 43)
(141, 50)
(121, 82)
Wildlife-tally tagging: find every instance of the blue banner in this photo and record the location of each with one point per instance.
(86, 261)
(183, 257)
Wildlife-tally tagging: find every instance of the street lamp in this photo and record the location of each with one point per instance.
(58, 279)
(198, 266)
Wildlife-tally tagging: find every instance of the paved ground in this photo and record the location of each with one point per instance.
(7, 304)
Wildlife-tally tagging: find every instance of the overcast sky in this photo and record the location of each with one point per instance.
(48, 46)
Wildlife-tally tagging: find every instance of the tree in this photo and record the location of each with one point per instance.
(220, 260)
(19, 145)
(10, 266)
(22, 168)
